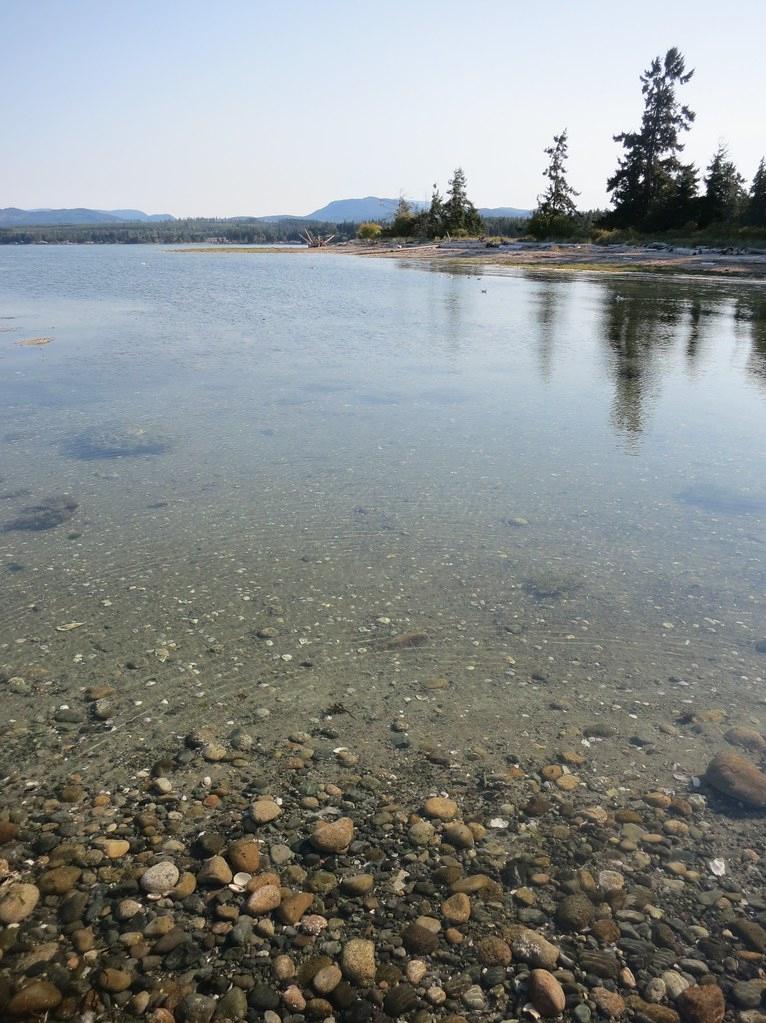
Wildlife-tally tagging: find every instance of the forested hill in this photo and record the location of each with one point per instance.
(13, 217)
(373, 208)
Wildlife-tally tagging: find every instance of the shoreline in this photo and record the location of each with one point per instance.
(231, 878)
(582, 258)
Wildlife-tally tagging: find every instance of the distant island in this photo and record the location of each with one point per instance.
(338, 211)
(373, 208)
(13, 217)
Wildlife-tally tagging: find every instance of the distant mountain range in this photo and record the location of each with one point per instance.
(374, 208)
(12, 217)
(336, 212)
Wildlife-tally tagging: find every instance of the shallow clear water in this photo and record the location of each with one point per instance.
(560, 480)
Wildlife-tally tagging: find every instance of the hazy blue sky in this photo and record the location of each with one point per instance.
(229, 107)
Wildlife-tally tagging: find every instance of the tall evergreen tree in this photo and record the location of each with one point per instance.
(643, 186)
(404, 219)
(725, 194)
(755, 212)
(683, 207)
(435, 217)
(558, 198)
(460, 214)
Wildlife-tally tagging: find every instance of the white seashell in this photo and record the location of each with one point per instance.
(717, 867)
(242, 878)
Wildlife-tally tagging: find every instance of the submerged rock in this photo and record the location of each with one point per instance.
(49, 513)
(721, 500)
(701, 1004)
(552, 585)
(130, 442)
(38, 997)
(17, 902)
(746, 738)
(738, 778)
(546, 994)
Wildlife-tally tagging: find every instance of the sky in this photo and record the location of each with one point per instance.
(256, 107)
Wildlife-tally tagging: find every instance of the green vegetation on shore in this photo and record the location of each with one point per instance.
(245, 231)
(654, 193)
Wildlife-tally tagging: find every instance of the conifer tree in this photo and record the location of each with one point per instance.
(646, 178)
(460, 214)
(724, 189)
(435, 216)
(558, 198)
(404, 219)
(755, 212)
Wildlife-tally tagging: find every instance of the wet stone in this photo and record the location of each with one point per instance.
(546, 994)
(38, 997)
(48, 514)
(575, 912)
(400, 1000)
(160, 878)
(17, 902)
(701, 1004)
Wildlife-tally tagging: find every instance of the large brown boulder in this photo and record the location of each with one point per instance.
(702, 1004)
(738, 778)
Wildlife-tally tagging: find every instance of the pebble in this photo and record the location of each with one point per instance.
(17, 902)
(59, 881)
(459, 835)
(702, 1004)
(264, 900)
(333, 837)
(738, 778)
(215, 873)
(421, 833)
(358, 962)
(244, 854)
(160, 878)
(746, 738)
(536, 950)
(400, 1000)
(457, 908)
(748, 994)
(38, 997)
(263, 811)
(416, 969)
(751, 933)
(609, 1003)
(494, 952)
(293, 998)
(115, 848)
(327, 979)
(196, 1008)
(473, 998)
(419, 940)
(546, 994)
(358, 884)
(114, 980)
(675, 983)
(440, 808)
(292, 908)
(610, 881)
(233, 1005)
(575, 912)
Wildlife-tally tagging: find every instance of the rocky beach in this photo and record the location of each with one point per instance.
(482, 256)
(237, 880)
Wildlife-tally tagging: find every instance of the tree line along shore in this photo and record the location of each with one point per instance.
(655, 196)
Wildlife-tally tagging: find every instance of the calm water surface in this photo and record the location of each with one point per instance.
(561, 481)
